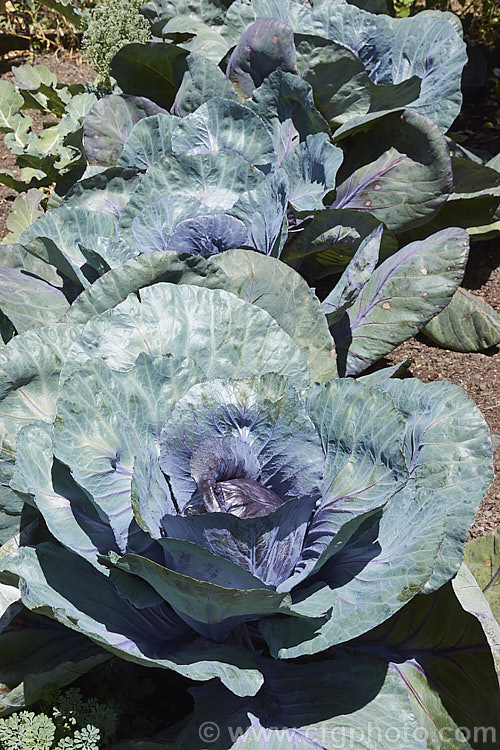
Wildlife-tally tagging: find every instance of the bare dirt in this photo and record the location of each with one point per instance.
(477, 373)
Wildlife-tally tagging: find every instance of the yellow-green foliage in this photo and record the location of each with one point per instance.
(110, 26)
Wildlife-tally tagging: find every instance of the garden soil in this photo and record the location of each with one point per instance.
(478, 373)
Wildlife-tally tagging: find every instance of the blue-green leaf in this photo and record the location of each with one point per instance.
(29, 302)
(149, 141)
(400, 171)
(224, 125)
(403, 293)
(110, 122)
(312, 168)
(202, 80)
(440, 417)
(263, 212)
(283, 293)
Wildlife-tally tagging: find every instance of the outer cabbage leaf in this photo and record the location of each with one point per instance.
(400, 171)
(472, 600)
(30, 365)
(29, 302)
(267, 45)
(224, 125)
(56, 237)
(203, 40)
(312, 168)
(202, 80)
(15, 256)
(394, 50)
(333, 237)
(242, 13)
(149, 141)
(467, 324)
(482, 557)
(153, 70)
(438, 416)
(286, 103)
(474, 202)
(430, 48)
(109, 123)
(402, 294)
(351, 699)
(69, 512)
(39, 656)
(107, 418)
(107, 192)
(354, 278)
(437, 646)
(338, 78)
(146, 325)
(205, 602)
(263, 212)
(159, 12)
(280, 291)
(435, 690)
(146, 270)
(65, 587)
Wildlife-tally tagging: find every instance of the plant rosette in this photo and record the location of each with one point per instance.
(211, 509)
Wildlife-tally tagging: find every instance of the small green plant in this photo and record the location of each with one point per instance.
(55, 152)
(74, 724)
(110, 26)
(403, 7)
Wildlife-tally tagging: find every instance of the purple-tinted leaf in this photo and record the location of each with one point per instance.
(356, 275)
(264, 47)
(263, 212)
(399, 170)
(38, 657)
(196, 587)
(207, 235)
(267, 438)
(309, 707)
(268, 546)
(403, 293)
(70, 590)
(110, 122)
(153, 227)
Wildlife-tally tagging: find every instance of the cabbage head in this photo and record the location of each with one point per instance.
(211, 510)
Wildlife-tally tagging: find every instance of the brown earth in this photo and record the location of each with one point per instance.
(478, 373)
